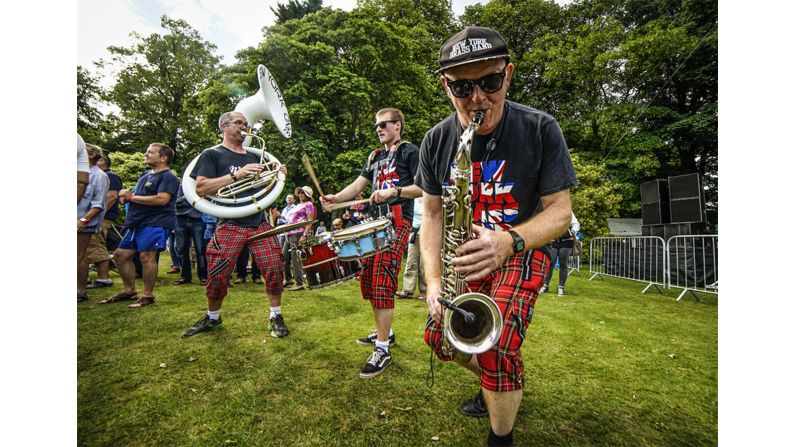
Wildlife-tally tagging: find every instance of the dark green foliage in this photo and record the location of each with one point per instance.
(295, 9)
(633, 84)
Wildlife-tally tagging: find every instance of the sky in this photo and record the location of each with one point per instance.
(102, 23)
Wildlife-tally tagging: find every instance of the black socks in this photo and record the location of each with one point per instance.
(500, 441)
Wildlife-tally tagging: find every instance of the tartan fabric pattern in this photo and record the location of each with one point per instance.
(514, 288)
(224, 248)
(379, 280)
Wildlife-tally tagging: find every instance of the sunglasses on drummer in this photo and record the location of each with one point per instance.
(382, 124)
(489, 84)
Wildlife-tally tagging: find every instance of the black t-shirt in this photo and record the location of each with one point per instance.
(184, 207)
(115, 185)
(219, 161)
(150, 184)
(530, 159)
(393, 168)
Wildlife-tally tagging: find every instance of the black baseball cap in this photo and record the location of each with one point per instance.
(472, 44)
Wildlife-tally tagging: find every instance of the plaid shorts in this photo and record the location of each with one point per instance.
(379, 275)
(224, 248)
(514, 288)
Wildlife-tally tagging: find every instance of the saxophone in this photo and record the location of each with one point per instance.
(473, 322)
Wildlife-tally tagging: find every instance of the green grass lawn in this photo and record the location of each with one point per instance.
(605, 365)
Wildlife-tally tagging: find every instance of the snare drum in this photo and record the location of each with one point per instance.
(320, 264)
(363, 240)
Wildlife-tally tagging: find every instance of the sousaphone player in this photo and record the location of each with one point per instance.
(229, 170)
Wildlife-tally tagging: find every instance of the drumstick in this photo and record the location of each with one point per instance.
(336, 206)
(311, 171)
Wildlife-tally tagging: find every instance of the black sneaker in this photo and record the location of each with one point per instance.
(475, 407)
(376, 364)
(370, 339)
(277, 327)
(204, 324)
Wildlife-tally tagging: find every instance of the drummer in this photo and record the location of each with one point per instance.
(390, 169)
(304, 211)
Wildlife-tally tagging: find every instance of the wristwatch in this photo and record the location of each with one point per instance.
(518, 242)
(399, 189)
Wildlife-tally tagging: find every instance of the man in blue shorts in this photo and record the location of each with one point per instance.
(151, 217)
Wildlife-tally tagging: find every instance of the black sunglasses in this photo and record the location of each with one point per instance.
(382, 124)
(489, 84)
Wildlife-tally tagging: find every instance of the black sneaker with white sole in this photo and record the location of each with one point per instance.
(376, 364)
(370, 340)
(203, 325)
(278, 327)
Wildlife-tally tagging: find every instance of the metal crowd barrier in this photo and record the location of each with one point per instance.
(574, 265)
(693, 264)
(637, 258)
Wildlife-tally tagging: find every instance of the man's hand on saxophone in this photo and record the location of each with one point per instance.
(477, 258)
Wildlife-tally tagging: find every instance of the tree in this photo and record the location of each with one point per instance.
(295, 9)
(89, 119)
(157, 87)
(335, 70)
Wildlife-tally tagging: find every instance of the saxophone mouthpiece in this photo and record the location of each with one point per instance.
(478, 118)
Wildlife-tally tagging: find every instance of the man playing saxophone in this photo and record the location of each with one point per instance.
(218, 167)
(521, 174)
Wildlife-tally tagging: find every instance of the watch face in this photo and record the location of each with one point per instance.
(518, 242)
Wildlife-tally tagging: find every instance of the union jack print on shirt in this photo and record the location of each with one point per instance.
(493, 204)
(386, 174)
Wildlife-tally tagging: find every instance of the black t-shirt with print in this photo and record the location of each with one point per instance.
(219, 161)
(530, 159)
(393, 168)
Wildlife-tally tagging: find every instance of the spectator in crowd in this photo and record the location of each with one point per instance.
(337, 225)
(305, 211)
(346, 219)
(242, 268)
(190, 229)
(560, 250)
(288, 248)
(98, 247)
(414, 275)
(290, 200)
(217, 167)
(172, 251)
(209, 227)
(321, 228)
(90, 213)
(150, 218)
(82, 168)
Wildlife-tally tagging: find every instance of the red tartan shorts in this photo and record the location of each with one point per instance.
(224, 248)
(379, 280)
(514, 288)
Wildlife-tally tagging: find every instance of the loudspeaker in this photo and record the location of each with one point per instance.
(667, 231)
(687, 199)
(655, 203)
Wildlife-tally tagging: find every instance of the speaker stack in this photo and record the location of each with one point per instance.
(673, 207)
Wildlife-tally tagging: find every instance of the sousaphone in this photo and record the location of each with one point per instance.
(267, 104)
